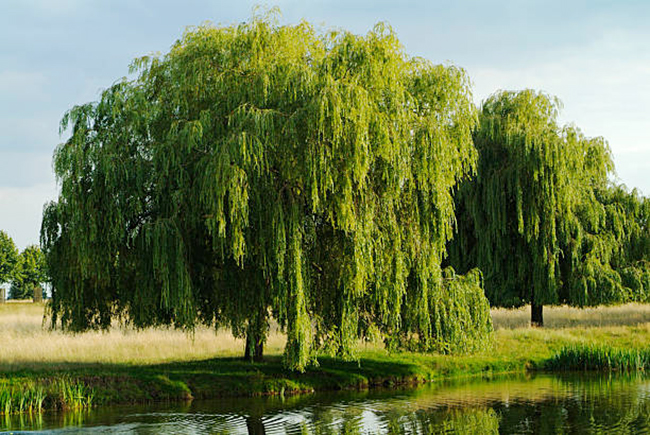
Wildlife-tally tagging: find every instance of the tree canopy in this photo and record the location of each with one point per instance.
(261, 170)
(30, 273)
(531, 219)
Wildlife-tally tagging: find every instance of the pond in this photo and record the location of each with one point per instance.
(605, 404)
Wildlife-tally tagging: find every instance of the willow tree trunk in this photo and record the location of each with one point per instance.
(536, 315)
(254, 349)
(256, 335)
(2, 296)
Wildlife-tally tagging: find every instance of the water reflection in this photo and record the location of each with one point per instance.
(542, 404)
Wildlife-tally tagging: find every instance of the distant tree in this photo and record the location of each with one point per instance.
(20, 291)
(528, 217)
(30, 273)
(261, 170)
(8, 258)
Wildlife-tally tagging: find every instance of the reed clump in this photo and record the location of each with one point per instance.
(33, 397)
(74, 395)
(20, 399)
(590, 357)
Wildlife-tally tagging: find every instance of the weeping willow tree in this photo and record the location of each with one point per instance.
(531, 219)
(261, 171)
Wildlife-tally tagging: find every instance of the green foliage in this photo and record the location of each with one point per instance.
(459, 315)
(531, 220)
(518, 351)
(462, 314)
(260, 170)
(8, 258)
(20, 291)
(30, 273)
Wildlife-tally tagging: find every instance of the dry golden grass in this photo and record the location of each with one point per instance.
(26, 342)
(569, 317)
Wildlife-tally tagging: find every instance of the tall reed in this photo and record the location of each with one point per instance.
(29, 398)
(34, 397)
(75, 395)
(589, 357)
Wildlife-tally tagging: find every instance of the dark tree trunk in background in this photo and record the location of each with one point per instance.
(2, 296)
(536, 315)
(38, 294)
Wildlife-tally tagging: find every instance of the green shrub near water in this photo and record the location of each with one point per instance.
(598, 357)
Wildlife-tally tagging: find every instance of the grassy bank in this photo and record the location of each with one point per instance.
(123, 365)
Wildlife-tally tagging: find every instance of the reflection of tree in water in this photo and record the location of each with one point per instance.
(549, 416)
(607, 405)
(255, 425)
(593, 409)
(469, 421)
(352, 420)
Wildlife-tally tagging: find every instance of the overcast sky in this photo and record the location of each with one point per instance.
(593, 54)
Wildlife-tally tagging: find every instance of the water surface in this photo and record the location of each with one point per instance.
(537, 404)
